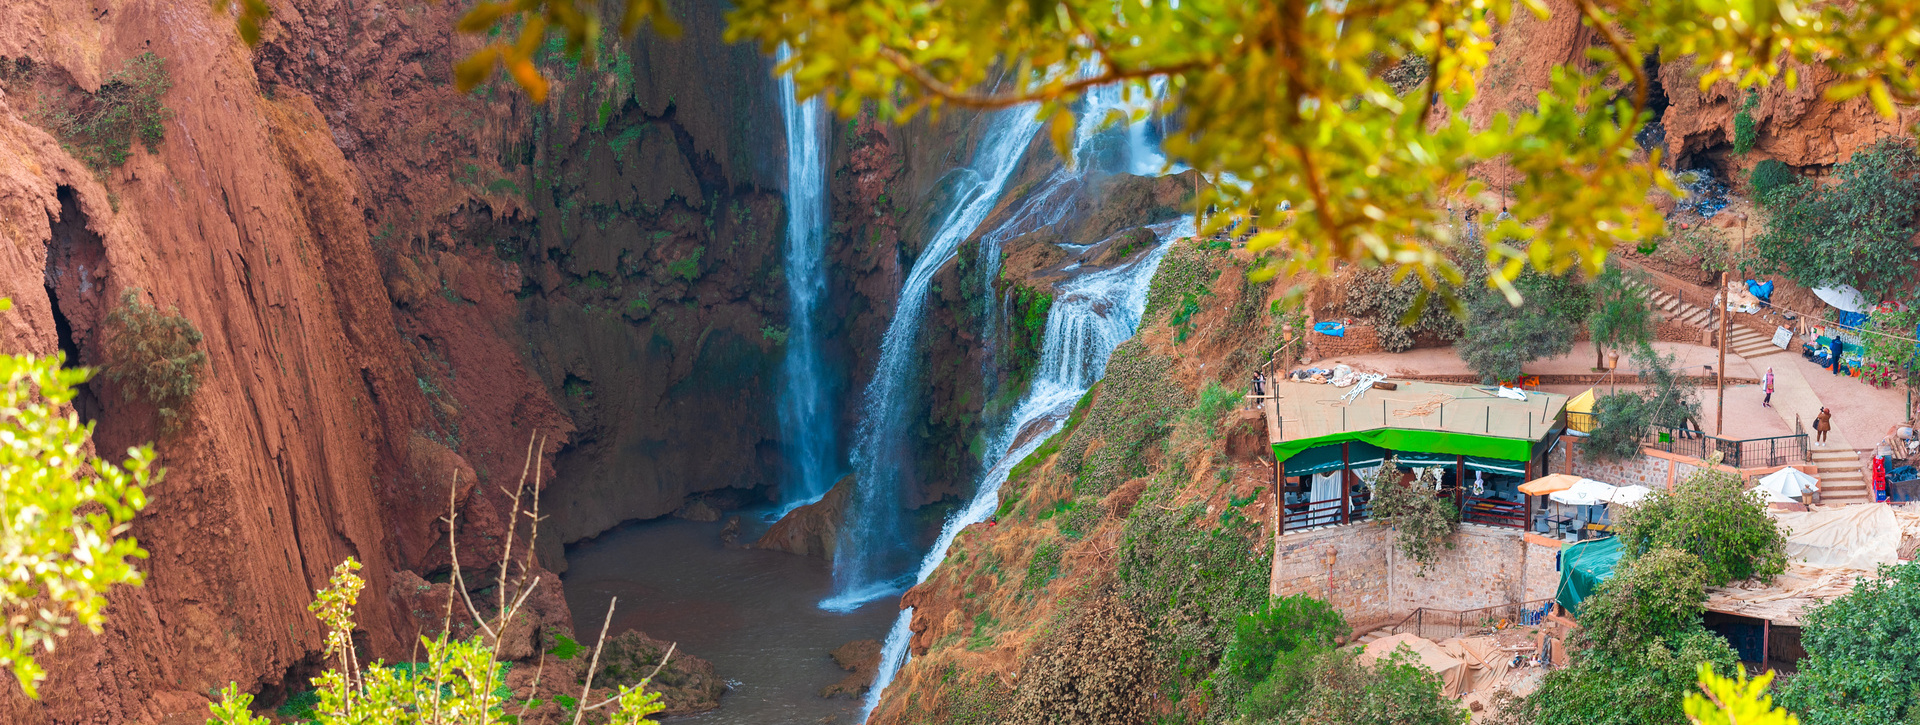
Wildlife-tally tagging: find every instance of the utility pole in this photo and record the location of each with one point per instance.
(1720, 374)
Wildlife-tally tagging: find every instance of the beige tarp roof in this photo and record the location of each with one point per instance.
(1453, 673)
(1829, 550)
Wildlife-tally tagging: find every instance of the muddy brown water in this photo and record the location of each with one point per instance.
(751, 613)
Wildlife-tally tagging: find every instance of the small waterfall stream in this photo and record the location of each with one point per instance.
(806, 406)
(881, 459)
(1091, 316)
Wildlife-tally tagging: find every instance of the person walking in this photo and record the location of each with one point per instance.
(1821, 424)
(1259, 388)
(1766, 401)
(1836, 347)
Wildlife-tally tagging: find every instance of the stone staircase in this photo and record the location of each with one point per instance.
(1741, 340)
(1842, 479)
(1370, 637)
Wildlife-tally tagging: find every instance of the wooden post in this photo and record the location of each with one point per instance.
(1346, 484)
(1766, 643)
(1460, 485)
(1720, 373)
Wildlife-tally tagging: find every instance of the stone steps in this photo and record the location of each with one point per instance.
(1842, 479)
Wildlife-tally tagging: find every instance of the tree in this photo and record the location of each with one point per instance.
(1500, 338)
(1651, 597)
(1642, 687)
(1735, 701)
(1623, 419)
(1620, 317)
(1855, 231)
(1357, 128)
(1711, 516)
(1863, 654)
(1278, 636)
(65, 514)
(1422, 521)
(1338, 689)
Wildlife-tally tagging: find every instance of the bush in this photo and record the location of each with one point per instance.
(1335, 688)
(1862, 224)
(1711, 516)
(1500, 338)
(1095, 671)
(155, 356)
(1863, 654)
(99, 128)
(1745, 130)
(1191, 579)
(63, 544)
(1641, 687)
(1770, 176)
(1650, 597)
(1423, 522)
(1390, 307)
(1283, 629)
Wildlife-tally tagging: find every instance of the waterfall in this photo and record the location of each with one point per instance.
(1091, 316)
(881, 458)
(806, 409)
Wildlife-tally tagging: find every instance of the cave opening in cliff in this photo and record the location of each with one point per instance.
(75, 264)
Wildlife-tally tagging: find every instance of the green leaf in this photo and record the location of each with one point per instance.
(565, 648)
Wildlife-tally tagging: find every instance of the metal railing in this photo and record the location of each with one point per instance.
(1493, 512)
(1311, 514)
(1742, 453)
(1440, 624)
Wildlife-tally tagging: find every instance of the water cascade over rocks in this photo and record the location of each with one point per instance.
(806, 406)
(881, 458)
(1091, 316)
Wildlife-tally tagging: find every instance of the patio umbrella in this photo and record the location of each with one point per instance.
(1844, 297)
(1586, 492)
(1549, 483)
(1788, 484)
(1631, 495)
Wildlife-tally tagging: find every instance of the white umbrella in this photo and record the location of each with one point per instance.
(1631, 495)
(1585, 492)
(1788, 484)
(1844, 297)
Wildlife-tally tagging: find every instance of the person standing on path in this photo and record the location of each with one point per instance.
(1821, 424)
(1836, 347)
(1766, 401)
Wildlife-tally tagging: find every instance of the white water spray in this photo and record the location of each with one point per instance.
(806, 407)
(1091, 316)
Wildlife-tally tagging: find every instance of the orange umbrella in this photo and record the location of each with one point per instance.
(1548, 484)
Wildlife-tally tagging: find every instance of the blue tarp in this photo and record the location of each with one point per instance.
(1762, 290)
(1335, 329)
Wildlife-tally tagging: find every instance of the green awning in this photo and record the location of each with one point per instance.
(1410, 459)
(1321, 459)
(1496, 465)
(1583, 566)
(1417, 441)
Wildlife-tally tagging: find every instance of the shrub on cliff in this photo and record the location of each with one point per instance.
(155, 356)
(1769, 176)
(1333, 687)
(62, 548)
(99, 128)
(1191, 575)
(1390, 305)
(1094, 671)
(1274, 642)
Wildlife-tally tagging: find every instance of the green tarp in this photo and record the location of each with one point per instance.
(1496, 465)
(1417, 441)
(1321, 459)
(1583, 566)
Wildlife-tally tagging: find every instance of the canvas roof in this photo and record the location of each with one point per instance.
(1420, 417)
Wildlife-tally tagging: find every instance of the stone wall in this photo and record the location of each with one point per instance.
(1358, 570)
(1654, 469)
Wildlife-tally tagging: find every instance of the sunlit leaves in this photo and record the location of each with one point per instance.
(1734, 701)
(62, 514)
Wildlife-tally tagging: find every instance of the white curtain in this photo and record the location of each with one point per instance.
(1364, 476)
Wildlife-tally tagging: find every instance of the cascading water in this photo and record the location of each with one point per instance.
(1091, 316)
(880, 456)
(806, 412)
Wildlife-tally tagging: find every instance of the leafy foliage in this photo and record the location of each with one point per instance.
(1094, 671)
(99, 128)
(1620, 317)
(1368, 171)
(1769, 176)
(1191, 579)
(1134, 413)
(1654, 596)
(62, 546)
(1856, 231)
(1423, 522)
(1863, 654)
(1640, 687)
(1710, 516)
(1500, 337)
(1282, 633)
(1745, 130)
(1735, 701)
(1623, 419)
(155, 355)
(1337, 689)
(1388, 304)
(1893, 345)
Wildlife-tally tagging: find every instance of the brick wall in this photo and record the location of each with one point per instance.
(1358, 570)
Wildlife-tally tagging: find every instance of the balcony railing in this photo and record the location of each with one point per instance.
(1738, 453)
